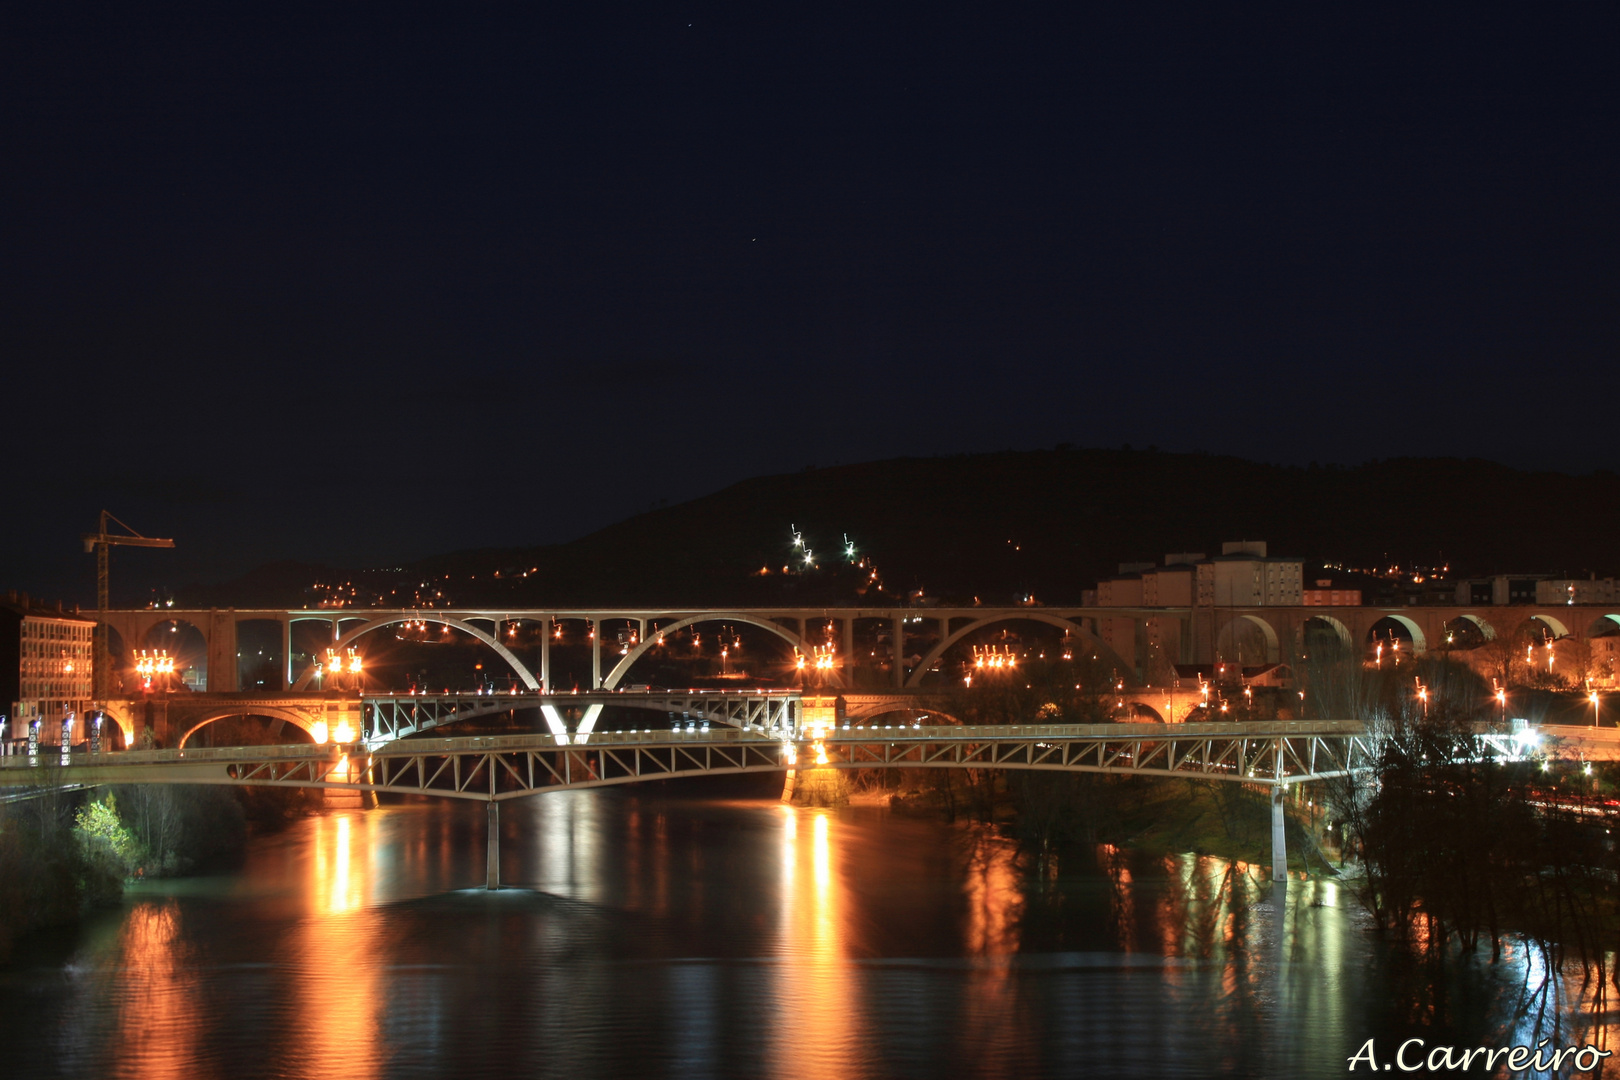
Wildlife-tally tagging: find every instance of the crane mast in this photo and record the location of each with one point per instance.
(100, 542)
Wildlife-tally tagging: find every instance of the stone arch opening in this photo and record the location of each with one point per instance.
(186, 644)
(1541, 625)
(1468, 631)
(266, 712)
(1087, 646)
(259, 654)
(1604, 626)
(1323, 637)
(1247, 641)
(1393, 635)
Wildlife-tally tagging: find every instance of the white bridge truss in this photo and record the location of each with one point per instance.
(395, 716)
(494, 769)
(505, 767)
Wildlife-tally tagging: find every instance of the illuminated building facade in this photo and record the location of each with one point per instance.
(45, 667)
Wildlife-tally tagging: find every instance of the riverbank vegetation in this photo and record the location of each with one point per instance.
(1460, 849)
(65, 851)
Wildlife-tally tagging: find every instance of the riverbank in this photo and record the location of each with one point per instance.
(64, 853)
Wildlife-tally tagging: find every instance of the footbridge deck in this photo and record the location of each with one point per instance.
(496, 768)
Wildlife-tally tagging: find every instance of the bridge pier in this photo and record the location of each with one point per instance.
(492, 858)
(596, 654)
(1279, 835)
(545, 654)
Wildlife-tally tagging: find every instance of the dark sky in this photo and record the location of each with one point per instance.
(361, 285)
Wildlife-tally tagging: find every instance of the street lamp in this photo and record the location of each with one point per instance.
(154, 665)
(994, 657)
(1593, 698)
(337, 663)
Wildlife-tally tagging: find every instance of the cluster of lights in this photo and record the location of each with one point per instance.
(343, 733)
(417, 630)
(148, 664)
(821, 658)
(337, 663)
(994, 657)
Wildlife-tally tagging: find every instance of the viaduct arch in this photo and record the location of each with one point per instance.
(1101, 648)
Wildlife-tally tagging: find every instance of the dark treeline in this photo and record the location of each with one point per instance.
(63, 852)
(1459, 847)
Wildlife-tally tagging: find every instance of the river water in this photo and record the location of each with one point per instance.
(654, 935)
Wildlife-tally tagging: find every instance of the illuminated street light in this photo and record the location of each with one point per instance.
(337, 663)
(994, 658)
(157, 665)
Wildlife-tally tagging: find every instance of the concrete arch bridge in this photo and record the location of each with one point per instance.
(909, 642)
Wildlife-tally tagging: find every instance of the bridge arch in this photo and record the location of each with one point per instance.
(1328, 622)
(291, 716)
(1550, 623)
(622, 668)
(506, 654)
(1420, 643)
(184, 641)
(1486, 631)
(1603, 626)
(1229, 637)
(1067, 625)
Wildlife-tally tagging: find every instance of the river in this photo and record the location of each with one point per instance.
(665, 934)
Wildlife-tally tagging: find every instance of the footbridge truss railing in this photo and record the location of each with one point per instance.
(494, 769)
(395, 716)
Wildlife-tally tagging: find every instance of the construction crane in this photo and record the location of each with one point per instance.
(99, 542)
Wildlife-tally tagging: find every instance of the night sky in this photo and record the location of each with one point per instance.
(357, 285)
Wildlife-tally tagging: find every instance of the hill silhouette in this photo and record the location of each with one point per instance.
(1000, 527)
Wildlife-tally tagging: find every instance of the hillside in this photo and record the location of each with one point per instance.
(1002, 526)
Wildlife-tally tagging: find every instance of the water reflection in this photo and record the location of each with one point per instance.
(817, 1022)
(334, 954)
(669, 937)
(156, 996)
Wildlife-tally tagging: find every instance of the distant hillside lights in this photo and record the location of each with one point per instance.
(802, 560)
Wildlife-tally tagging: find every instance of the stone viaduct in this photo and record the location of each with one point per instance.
(1127, 639)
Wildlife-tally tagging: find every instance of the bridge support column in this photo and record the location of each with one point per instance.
(596, 654)
(492, 858)
(897, 639)
(545, 654)
(1279, 835)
